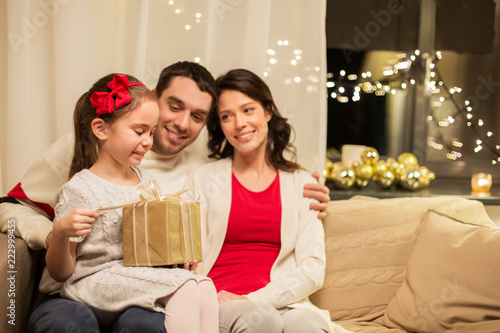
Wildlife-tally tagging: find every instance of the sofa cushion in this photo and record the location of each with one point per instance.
(452, 278)
(368, 242)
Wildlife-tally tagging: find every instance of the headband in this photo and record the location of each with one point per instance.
(107, 102)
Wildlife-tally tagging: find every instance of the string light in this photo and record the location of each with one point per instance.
(293, 57)
(398, 75)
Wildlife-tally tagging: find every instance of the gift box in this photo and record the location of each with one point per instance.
(161, 231)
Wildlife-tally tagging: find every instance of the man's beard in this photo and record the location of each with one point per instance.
(165, 149)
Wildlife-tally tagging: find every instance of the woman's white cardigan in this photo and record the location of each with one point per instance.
(300, 267)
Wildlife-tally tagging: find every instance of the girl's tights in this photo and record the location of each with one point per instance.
(193, 308)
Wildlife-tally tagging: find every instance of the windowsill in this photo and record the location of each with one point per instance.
(437, 187)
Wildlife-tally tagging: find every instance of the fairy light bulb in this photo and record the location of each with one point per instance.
(403, 62)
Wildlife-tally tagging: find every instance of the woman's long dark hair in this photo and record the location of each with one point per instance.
(278, 137)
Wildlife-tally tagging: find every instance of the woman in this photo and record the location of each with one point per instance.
(263, 246)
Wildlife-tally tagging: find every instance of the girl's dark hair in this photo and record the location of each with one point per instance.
(278, 137)
(86, 143)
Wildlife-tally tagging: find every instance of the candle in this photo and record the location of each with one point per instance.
(351, 154)
(481, 182)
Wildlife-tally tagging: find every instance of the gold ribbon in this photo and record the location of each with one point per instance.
(152, 194)
(142, 192)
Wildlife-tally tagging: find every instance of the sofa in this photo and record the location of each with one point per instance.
(21, 269)
(414, 264)
(418, 264)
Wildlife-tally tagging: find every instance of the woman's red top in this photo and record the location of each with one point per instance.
(252, 241)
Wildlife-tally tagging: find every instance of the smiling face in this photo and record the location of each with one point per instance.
(130, 137)
(183, 113)
(243, 121)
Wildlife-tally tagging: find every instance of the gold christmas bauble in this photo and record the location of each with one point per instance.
(369, 155)
(343, 176)
(363, 171)
(339, 165)
(327, 172)
(411, 178)
(360, 183)
(379, 168)
(398, 172)
(407, 159)
(385, 179)
(392, 164)
(426, 176)
(424, 182)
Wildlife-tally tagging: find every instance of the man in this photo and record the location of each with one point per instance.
(186, 93)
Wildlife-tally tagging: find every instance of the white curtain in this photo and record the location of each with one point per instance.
(54, 50)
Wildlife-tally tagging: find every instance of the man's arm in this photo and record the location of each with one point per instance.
(319, 192)
(30, 203)
(30, 224)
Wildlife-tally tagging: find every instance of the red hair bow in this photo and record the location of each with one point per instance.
(107, 102)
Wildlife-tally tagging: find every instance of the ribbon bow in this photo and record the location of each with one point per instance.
(153, 194)
(107, 102)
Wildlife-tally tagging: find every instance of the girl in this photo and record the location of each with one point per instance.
(113, 123)
(263, 247)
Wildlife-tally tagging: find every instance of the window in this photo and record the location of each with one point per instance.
(453, 126)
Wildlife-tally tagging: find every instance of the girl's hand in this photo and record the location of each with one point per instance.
(189, 266)
(75, 224)
(224, 296)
